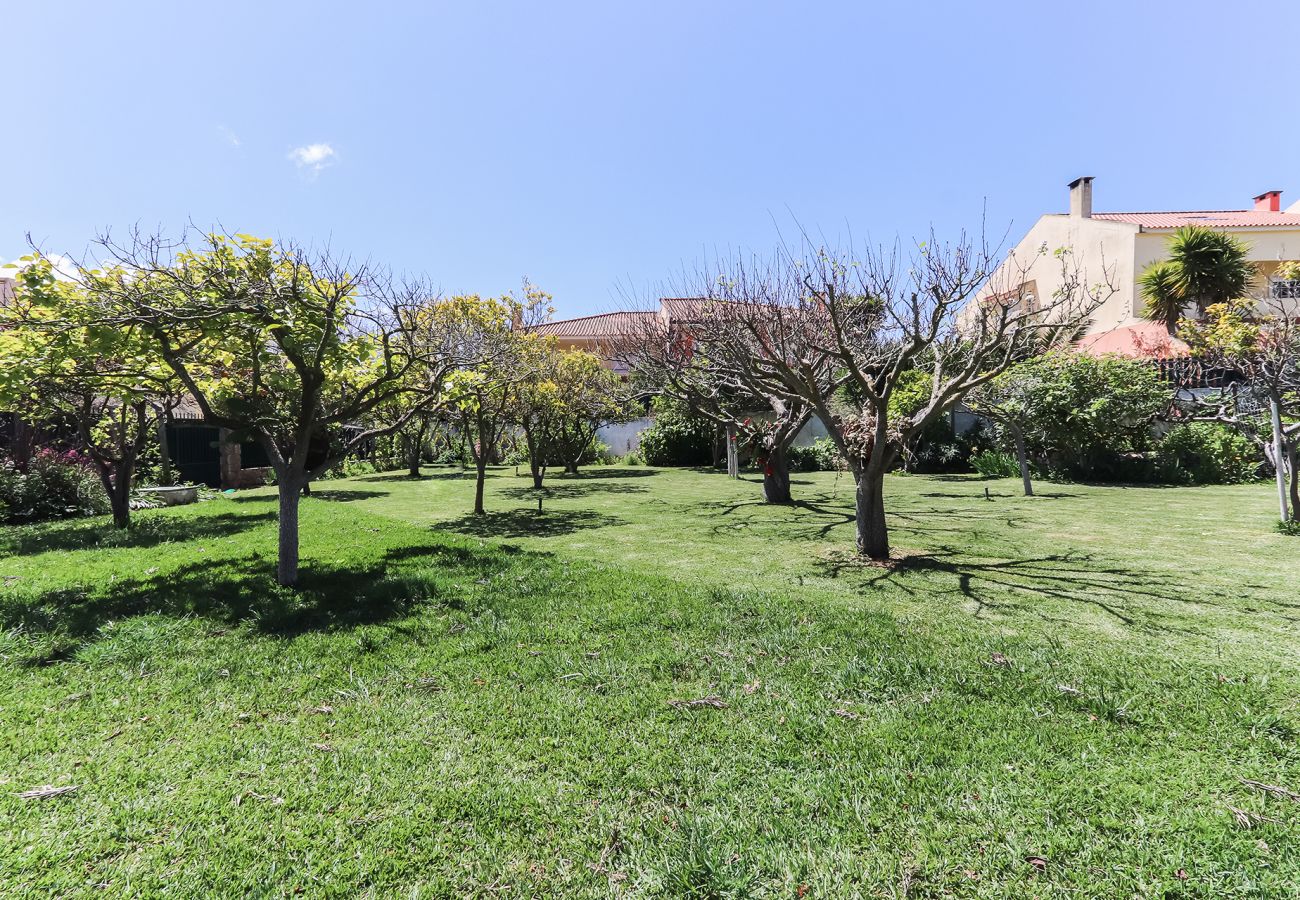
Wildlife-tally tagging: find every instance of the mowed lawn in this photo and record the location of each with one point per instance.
(1090, 693)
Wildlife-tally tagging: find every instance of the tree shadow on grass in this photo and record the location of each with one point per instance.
(242, 590)
(518, 523)
(600, 472)
(998, 495)
(404, 476)
(147, 530)
(1014, 586)
(345, 495)
(566, 490)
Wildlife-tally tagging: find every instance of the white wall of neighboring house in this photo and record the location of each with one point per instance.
(1103, 252)
(1116, 253)
(625, 437)
(1269, 249)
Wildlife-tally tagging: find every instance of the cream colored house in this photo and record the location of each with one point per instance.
(1115, 247)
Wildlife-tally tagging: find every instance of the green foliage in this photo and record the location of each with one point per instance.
(53, 486)
(1208, 453)
(677, 438)
(820, 456)
(568, 397)
(995, 464)
(1159, 284)
(1204, 267)
(1084, 413)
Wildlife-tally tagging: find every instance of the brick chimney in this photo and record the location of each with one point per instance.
(1269, 201)
(1081, 197)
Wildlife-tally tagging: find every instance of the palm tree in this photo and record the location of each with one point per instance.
(1204, 267)
(1159, 285)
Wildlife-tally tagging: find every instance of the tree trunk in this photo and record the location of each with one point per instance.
(1293, 464)
(571, 468)
(414, 452)
(1023, 460)
(776, 477)
(120, 500)
(481, 469)
(117, 487)
(286, 567)
(538, 475)
(873, 533)
(164, 452)
(1279, 456)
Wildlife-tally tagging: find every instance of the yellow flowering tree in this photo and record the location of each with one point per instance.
(58, 363)
(290, 348)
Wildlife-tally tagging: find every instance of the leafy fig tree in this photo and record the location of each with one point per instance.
(58, 363)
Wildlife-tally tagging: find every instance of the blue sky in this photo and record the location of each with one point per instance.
(593, 145)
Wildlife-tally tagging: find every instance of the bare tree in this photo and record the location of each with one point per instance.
(715, 356)
(838, 331)
(1255, 345)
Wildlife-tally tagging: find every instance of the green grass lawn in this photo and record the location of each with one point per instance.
(1072, 695)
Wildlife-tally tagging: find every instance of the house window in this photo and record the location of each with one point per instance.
(1284, 289)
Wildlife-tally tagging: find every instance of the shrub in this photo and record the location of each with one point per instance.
(54, 486)
(994, 464)
(820, 456)
(1086, 416)
(677, 438)
(1208, 453)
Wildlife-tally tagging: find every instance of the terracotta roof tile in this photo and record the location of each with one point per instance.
(597, 326)
(1142, 340)
(1213, 218)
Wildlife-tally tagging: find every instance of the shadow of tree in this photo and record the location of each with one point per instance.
(570, 489)
(997, 495)
(345, 495)
(516, 523)
(398, 477)
(242, 590)
(147, 530)
(1013, 585)
(608, 472)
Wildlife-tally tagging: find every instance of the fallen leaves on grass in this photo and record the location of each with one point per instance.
(46, 791)
(1038, 862)
(845, 714)
(254, 795)
(713, 701)
(1247, 819)
(1275, 789)
(322, 710)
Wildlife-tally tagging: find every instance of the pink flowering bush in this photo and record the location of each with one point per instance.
(54, 485)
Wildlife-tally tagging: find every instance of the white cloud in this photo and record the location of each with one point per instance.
(231, 138)
(313, 156)
(65, 268)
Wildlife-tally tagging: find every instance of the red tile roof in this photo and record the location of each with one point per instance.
(1213, 218)
(599, 326)
(1143, 340)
